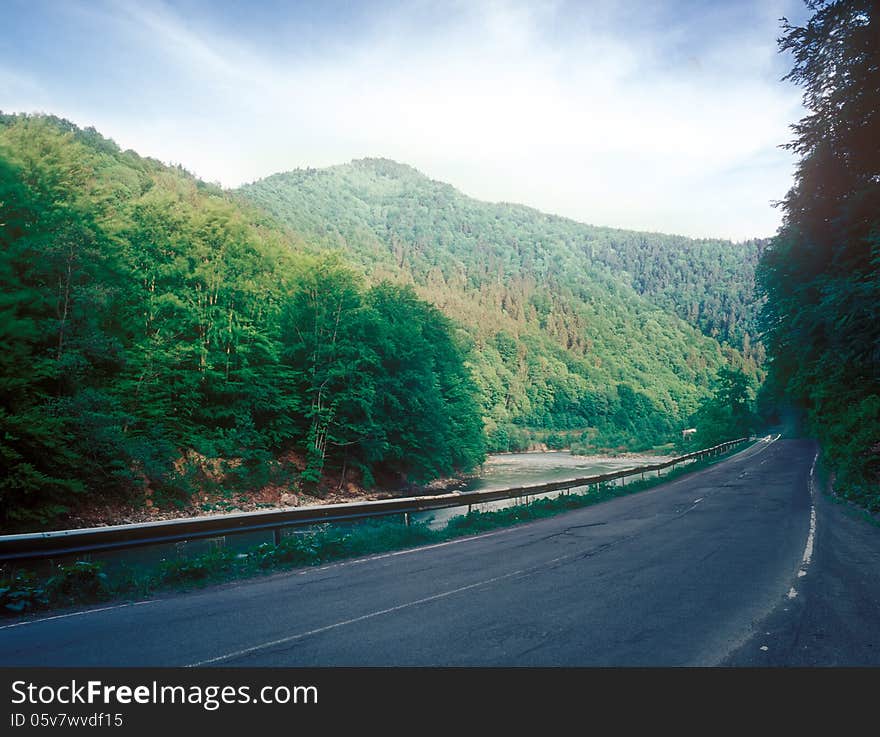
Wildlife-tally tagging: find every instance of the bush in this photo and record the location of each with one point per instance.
(850, 436)
(292, 550)
(21, 594)
(192, 570)
(82, 581)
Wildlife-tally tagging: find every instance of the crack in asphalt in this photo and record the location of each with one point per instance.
(562, 533)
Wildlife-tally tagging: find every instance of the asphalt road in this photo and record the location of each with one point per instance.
(700, 571)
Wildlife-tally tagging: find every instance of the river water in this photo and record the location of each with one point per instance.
(507, 470)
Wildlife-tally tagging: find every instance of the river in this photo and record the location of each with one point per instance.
(506, 470)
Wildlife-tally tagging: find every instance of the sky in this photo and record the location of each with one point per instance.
(659, 115)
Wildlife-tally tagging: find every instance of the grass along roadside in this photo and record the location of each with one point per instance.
(24, 592)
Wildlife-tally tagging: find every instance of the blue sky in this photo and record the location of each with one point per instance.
(653, 115)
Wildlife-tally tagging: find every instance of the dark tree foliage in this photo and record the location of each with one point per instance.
(156, 335)
(60, 335)
(821, 275)
(426, 416)
(379, 377)
(727, 415)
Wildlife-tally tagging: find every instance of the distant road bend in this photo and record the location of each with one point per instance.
(743, 563)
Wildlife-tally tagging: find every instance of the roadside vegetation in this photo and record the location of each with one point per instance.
(820, 275)
(79, 583)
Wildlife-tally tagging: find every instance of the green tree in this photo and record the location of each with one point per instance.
(820, 276)
(319, 335)
(61, 333)
(729, 413)
(427, 398)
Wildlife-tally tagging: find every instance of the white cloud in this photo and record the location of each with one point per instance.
(515, 101)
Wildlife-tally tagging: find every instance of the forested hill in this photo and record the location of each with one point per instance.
(166, 342)
(708, 283)
(163, 345)
(386, 213)
(575, 326)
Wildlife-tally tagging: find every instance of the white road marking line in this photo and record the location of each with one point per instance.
(697, 501)
(811, 536)
(354, 620)
(379, 613)
(768, 440)
(407, 551)
(443, 545)
(298, 573)
(75, 614)
(808, 548)
(301, 572)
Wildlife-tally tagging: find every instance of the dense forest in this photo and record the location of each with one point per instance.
(158, 336)
(164, 337)
(821, 275)
(603, 337)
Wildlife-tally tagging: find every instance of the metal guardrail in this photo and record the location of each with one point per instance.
(37, 545)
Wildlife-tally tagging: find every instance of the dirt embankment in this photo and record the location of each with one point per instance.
(213, 495)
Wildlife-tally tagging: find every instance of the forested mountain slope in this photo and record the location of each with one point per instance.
(574, 326)
(164, 339)
(708, 283)
(160, 341)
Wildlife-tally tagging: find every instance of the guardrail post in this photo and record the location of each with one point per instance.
(406, 518)
(276, 535)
